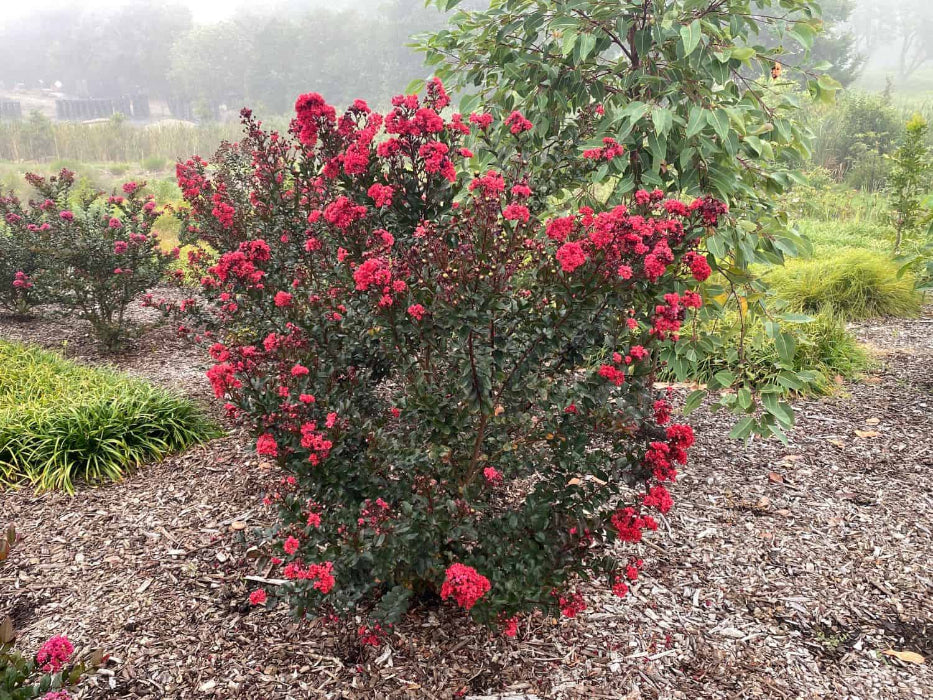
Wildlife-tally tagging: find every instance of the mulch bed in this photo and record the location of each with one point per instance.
(785, 572)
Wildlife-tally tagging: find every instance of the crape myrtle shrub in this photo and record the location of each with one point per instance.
(92, 254)
(459, 386)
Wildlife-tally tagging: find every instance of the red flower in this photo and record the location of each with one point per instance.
(658, 497)
(572, 605)
(416, 311)
(629, 524)
(492, 184)
(559, 229)
(613, 374)
(257, 597)
(570, 256)
(343, 212)
(481, 120)
(372, 272)
(54, 654)
(493, 476)
(518, 123)
(381, 195)
(699, 268)
(516, 212)
(620, 588)
(283, 299)
(291, 545)
(465, 585)
(266, 445)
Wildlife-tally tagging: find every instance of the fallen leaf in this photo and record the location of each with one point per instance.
(237, 525)
(867, 433)
(908, 656)
(775, 478)
(763, 502)
(872, 421)
(574, 482)
(793, 458)
(837, 443)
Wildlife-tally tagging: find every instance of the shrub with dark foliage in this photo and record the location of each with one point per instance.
(93, 254)
(459, 384)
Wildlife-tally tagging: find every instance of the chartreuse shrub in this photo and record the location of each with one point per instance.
(91, 254)
(853, 285)
(458, 382)
(61, 423)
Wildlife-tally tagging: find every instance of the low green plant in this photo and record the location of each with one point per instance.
(153, 163)
(821, 351)
(61, 422)
(853, 285)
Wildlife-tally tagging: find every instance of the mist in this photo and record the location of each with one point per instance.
(201, 60)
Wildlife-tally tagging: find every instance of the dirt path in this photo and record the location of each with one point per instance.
(786, 571)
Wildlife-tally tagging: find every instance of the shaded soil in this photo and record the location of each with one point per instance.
(785, 572)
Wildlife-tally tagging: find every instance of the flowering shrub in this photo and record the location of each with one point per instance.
(19, 262)
(458, 385)
(43, 676)
(94, 255)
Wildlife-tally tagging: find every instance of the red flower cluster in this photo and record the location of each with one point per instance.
(572, 604)
(22, 281)
(321, 574)
(610, 149)
(465, 585)
(54, 654)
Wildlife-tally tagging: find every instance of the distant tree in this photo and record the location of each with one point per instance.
(909, 181)
(210, 63)
(908, 23)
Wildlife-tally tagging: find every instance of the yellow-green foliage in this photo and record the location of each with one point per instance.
(853, 284)
(61, 422)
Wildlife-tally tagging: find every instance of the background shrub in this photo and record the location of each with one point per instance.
(61, 423)
(95, 254)
(852, 284)
(19, 265)
(852, 138)
(698, 97)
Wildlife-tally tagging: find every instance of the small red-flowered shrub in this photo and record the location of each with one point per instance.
(458, 382)
(93, 255)
(19, 262)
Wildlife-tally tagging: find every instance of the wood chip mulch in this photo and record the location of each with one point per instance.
(799, 571)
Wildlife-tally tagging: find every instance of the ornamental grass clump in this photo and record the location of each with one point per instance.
(458, 384)
(853, 285)
(62, 423)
